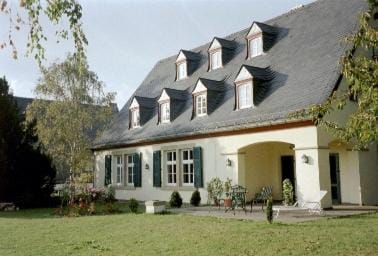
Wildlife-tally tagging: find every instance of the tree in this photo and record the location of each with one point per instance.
(361, 74)
(70, 106)
(26, 174)
(57, 11)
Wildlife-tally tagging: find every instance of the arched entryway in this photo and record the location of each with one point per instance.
(266, 164)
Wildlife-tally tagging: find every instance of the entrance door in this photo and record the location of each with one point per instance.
(287, 169)
(335, 178)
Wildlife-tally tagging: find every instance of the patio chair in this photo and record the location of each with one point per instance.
(311, 207)
(265, 193)
(238, 194)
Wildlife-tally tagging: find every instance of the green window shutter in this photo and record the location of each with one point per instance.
(197, 161)
(137, 170)
(108, 170)
(157, 169)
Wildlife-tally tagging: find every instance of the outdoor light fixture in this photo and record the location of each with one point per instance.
(228, 162)
(147, 167)
(304, 159)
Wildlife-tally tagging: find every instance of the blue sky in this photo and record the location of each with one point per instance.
(127, 38)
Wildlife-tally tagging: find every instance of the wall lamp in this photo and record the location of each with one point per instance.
(147, 167)
(305, 159)
(228, 162)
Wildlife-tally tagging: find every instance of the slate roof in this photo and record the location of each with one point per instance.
(305, 60)
(191, 55)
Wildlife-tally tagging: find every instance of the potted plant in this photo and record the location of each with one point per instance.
(227, 190)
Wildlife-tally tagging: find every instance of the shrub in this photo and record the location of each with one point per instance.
(227, 186)
(288, 194)
(176, 200)
(196, 198)
(269, 209)
(109, 195)
(133, 205)
(214, 190)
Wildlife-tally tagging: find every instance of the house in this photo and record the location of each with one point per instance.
(62, 174)
(223, 110)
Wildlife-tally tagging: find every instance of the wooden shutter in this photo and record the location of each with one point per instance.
(108, 170)
(137, 170)
(197, 161)
(157, 169)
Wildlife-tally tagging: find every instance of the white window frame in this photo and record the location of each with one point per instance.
(215, 59)
(173, 163)
(256, 46)
(165, 112)
(182, 71)
(130, 165)
(190, 163)
(248, 101)
(119, 170)
(200, 101)
(135, 118)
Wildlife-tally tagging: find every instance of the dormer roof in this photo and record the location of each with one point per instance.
(168, 94)
(204, 84)
(217, 43)
(187, 55)
(250, 72)
(144, 102)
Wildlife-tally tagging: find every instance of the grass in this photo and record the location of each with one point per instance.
(39, 232)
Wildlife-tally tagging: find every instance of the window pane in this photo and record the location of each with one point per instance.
(169, 156)
(191, 154)
(174, 156)
(185, 155)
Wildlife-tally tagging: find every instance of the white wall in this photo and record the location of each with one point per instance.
(215, 153)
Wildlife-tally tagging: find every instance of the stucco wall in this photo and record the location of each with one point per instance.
(368, 164)
(215, 153)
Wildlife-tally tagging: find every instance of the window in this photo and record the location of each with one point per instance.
(244, 95)
(201, 106)
(130, 170)
(171, 168)
(187, 167)
(181, 70)
(255, 46)
(216, 59)
(119, 167)
(135, 119)
(164, 112)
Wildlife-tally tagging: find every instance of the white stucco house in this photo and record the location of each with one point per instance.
(223, 110)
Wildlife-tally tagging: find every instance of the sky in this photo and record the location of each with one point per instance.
(127, 37)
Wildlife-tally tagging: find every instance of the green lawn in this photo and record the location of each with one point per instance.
(38, 232)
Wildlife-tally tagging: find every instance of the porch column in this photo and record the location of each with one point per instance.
(313, 176)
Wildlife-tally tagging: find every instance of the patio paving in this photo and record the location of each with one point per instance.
(285, 217)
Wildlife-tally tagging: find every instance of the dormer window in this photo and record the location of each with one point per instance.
(165, 112)
(256, 46)
(181, 70)
(200, 104)
(244, 95)
(216, 59)
(135, 118)
(260, 38)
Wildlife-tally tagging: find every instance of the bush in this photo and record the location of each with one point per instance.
(269, 209)
(133, 205)
(109, 195)
(214, 190)
(196, 198)
(288, 194)
(176, 200)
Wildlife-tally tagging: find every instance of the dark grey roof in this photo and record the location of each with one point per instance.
(305, 60)
(22, 103)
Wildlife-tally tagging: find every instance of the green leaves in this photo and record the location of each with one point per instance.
(360, 70)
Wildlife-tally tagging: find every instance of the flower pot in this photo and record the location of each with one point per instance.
(227, 202)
